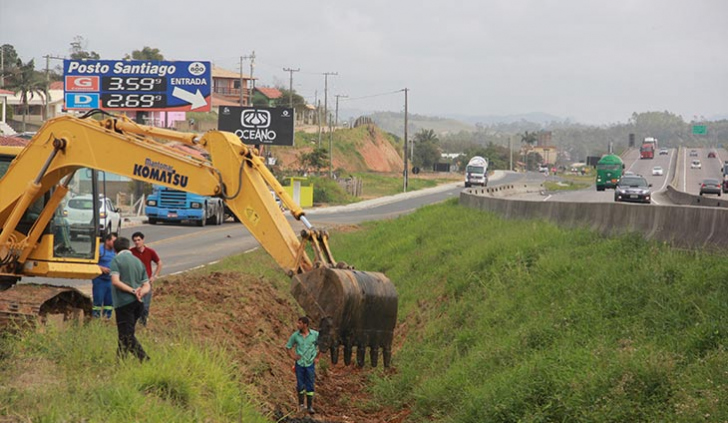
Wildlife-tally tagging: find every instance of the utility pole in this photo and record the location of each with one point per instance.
(2, 68)
(406, 90)
(242, 91)
(290, 85)
(336, 120)
(331, 151)
(318, 118)
(48, 58)
(510, 152)
(252, 80)
(326, 90)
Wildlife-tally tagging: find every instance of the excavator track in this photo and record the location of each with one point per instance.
(23, 304)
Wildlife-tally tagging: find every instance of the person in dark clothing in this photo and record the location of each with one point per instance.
(130, 284)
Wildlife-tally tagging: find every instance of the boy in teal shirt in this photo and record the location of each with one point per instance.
(306, 355)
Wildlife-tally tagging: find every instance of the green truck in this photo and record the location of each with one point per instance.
(609, 171)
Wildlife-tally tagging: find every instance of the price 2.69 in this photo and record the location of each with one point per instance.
(134, 101)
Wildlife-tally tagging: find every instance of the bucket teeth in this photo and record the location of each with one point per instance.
(353, 309)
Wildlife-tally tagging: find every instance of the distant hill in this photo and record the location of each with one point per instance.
(394, 123)
(535, 117)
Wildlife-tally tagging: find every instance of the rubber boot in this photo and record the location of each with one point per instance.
(301, 405)
(309, 400)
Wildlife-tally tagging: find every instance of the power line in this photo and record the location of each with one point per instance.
(373, 95)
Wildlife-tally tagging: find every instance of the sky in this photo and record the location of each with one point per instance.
(594, 62)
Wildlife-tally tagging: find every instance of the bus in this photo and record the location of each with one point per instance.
(609, 171)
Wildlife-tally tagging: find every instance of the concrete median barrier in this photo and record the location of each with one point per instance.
(681, 226)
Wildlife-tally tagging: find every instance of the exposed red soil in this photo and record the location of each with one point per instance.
(378, 154)
(252, 319)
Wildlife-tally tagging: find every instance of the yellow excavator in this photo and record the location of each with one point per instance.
(352, 308)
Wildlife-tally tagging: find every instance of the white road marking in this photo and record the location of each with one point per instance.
(545, 199)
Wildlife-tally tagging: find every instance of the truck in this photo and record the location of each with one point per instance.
(609, 171)
(353, 309)
(476, 172)
(647, 151)
(172, 205)
(651, 140)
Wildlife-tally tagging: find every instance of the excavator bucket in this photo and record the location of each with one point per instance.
(353, 309)
(22, 304)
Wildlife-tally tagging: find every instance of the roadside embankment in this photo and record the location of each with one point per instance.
(691, 227)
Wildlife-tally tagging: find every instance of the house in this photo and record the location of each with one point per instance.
(226, 88)
(4, 127)
(274, 96)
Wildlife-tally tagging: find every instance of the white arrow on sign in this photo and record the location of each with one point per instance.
(196, 100)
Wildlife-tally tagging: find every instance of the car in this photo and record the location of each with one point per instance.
(664, 152)
(79, 212)
(710, 186)
(712, 155)
(628, 173)
(633, 188)
(693, 153)
(657, 171)
(695, 164)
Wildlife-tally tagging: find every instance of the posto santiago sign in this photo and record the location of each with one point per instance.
(140, 85)
(258, 125)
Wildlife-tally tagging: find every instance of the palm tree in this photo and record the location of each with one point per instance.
(26, 83)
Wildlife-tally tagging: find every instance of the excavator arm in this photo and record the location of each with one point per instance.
(353, 308)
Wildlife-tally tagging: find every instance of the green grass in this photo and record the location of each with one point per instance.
(522, 321)
(71, 374)
(499, 321)
(378, 185)
(565, 185)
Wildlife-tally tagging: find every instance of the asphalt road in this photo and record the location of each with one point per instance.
(633, 164)
(689, 179)
(184, 247)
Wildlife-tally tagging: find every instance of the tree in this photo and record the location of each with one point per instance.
(79, 52)
(10, 59)
(426, 149)
(284, 101)
(315, 159)
(529, 138)
(146, 53)
(26, 82)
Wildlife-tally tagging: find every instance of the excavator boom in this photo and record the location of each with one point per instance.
(353, 308)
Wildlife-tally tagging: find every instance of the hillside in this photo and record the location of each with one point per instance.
(365, 148)
(394, 123)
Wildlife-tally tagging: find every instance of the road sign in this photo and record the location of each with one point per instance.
(258, 125)
(700, 130)
(137, 85)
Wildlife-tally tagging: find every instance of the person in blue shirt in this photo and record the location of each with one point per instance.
(103, 304)
(306, 355)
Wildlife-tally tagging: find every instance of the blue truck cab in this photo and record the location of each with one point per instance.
(171, 205)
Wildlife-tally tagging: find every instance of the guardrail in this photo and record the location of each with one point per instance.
(690, 227)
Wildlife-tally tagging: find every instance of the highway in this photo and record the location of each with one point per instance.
(688, 180)
(632, 163)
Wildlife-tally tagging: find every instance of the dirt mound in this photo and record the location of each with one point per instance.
(252, 318)
(365, 148)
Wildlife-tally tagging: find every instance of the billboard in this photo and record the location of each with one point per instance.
(140, 85)
(258, 125)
